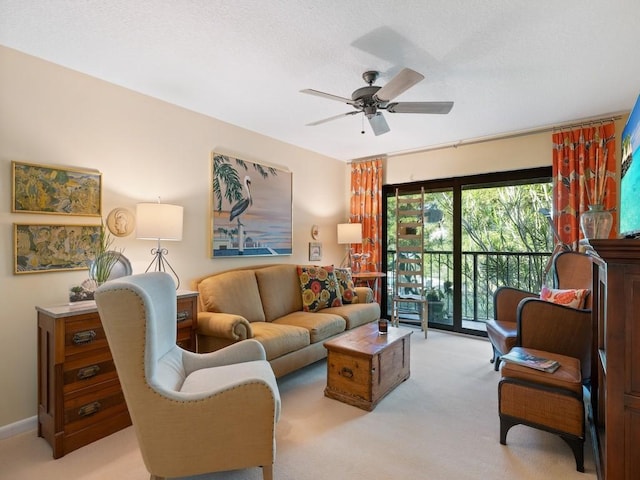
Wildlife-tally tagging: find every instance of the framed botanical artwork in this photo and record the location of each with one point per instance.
(315, 251)
(251, 208)
(51, 248)
(62, 191)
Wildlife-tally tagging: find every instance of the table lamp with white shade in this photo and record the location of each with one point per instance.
(159, 221)
(350, 233)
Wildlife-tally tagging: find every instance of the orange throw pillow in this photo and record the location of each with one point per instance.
(573, 298)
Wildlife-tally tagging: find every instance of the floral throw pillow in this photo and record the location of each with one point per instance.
(319, 287)
(346, 285)
(573, 298)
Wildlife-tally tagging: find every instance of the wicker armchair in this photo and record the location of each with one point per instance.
(541, 320)
(548, 401)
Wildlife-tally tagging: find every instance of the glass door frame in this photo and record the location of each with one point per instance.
(456, 185)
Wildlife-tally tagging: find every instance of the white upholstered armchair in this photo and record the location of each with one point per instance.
(192, 413)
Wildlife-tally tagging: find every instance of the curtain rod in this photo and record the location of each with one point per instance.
(506, 136)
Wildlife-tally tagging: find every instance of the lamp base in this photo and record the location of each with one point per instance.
(161, 263)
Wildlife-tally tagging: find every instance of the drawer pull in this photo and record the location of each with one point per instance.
(89, 409)
(88, 372)
(82, 338)
(182, 315)
(346, 372)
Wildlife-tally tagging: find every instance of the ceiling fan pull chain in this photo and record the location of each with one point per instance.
(362, 131)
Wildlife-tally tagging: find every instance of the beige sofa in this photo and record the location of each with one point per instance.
(265, 303)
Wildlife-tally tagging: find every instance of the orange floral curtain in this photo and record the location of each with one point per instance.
(584, 173)
(366, 208)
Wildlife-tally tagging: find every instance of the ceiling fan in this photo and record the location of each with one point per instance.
(371, 99)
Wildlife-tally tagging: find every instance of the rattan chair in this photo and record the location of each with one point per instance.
(571, 270)
(553, 402)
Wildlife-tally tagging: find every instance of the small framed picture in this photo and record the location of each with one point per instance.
(315, 251)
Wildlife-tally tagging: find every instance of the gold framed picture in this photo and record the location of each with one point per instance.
(251, 209)
(60, 191)
(52, 248)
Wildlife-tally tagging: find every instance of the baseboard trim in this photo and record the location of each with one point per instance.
(18, 427)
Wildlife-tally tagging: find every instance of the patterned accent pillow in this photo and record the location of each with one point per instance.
(319, 287)
(347, 287)
(573, 298)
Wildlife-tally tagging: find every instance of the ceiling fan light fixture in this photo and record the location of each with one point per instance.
(371, 99)
(370, 110)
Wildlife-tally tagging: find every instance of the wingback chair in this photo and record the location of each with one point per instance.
(572, 270)
(192, 413)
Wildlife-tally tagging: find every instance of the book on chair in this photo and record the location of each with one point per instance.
(519, 357)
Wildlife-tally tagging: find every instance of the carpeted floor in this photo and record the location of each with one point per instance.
(442, 423)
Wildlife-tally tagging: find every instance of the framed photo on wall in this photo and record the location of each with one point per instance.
(52, 248)
(251, 208)
(61, 191)
(315, 251)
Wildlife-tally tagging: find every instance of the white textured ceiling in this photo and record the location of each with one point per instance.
(509, 65)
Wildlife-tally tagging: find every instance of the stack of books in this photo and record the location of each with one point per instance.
(532, 361)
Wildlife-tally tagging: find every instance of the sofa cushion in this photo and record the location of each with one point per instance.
(233, 292)
(279, 290)
(319, 287)
(356, 314)
(320, 325)
(279, 340)
(346, 285)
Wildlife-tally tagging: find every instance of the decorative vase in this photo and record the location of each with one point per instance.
(596, 222)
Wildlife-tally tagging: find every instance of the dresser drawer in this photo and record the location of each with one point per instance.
(184, 335)
(87, 369)
(184, 310)
(82, 333)
(92, 405)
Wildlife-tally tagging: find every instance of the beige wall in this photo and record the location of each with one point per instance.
(518, 152)
(144, 148)
(526, 151)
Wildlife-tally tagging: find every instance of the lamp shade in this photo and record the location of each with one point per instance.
(349, 233)
(158, 221)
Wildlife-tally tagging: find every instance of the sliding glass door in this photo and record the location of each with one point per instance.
(480, 232)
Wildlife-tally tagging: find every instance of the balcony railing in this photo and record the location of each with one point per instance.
(482, 274)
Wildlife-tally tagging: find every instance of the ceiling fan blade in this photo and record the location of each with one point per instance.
(317, 93)
(402, 82)
(378, 124)
(335, 117)
(420, 107)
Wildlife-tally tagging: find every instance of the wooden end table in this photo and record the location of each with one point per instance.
(364, 366)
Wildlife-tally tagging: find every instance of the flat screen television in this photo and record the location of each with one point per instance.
(630, 176)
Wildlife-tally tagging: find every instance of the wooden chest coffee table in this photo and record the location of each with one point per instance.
(364, 366)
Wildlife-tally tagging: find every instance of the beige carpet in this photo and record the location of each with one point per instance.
(442, 423)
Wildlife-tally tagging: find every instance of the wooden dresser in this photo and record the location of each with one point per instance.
(616, 387)
(79, 395)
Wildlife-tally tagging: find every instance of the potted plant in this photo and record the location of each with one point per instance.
(435, 304)
(102, 264)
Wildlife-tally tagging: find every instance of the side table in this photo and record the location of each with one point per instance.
(79, 395)
(368, 279)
